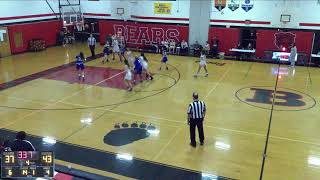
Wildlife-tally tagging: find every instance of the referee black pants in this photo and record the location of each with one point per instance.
(198, 122)
(92, 47)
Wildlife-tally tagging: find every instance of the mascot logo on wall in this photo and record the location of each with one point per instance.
(247, 5)
(220, 4)
(284, 39)
(234, 5)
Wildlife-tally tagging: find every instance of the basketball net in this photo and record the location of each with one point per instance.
(283, 24)
(72, 16)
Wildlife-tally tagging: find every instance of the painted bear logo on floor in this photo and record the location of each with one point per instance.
(124, 134)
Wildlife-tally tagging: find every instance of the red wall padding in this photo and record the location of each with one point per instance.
(136, 33)
(267, 41)
(228, 38)
(39, 30)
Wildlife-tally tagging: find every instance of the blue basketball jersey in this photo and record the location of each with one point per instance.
(79, 61)
(106, 50)
(137, 65)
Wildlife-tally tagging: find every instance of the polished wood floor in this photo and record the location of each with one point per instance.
(235, 128)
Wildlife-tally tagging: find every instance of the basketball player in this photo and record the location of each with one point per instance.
(80, 65)
(130, 57)
(115, 48)
(202, 64)
(144, 62)
(128, 75)
(164, 59)
(137, 68)
(123, 51)
(293, 55)
(106, 52)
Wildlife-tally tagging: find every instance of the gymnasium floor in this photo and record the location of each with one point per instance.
(85, 117)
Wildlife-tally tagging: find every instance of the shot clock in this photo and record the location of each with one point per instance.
(27, 164)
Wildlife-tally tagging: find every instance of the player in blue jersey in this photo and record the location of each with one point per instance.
(144, 63)
(164, 59)
(80, 65)
(123, 50)
(137, 68)
(106, 52)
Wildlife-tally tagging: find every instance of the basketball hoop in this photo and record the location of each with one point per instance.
(284, 24)
(120, 11)
(71, 15)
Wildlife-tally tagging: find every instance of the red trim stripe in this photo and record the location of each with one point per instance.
(96, 14)
(160, 18)
(239, 21)
(27, 16)
(309, 24)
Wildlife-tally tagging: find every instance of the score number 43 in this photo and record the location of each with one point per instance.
(47, 158)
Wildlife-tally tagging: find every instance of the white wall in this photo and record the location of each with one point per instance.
(301, 11)
(106, 7)
(10, 8)
(180, 9)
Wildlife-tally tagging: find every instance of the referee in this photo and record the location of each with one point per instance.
(196, 114)
(92, 44)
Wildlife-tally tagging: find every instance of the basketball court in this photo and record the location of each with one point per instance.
(146, 129)
(262, 115)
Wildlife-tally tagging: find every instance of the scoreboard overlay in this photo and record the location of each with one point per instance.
(27, 164)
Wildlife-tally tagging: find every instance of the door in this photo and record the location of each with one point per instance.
(4, 42)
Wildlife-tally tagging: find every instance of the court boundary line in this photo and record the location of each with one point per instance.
(94, 107)
(180, 122)
(249, 69)
(114, 153)
(55, 102)
(38, 75)
(166, 145)
(265, 151)
(219, 81)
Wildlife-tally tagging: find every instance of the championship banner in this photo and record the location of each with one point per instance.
(233, 4)
(247, 5)
(162, 8)
(220, 4)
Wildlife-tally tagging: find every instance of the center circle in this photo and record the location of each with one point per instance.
(286, 99)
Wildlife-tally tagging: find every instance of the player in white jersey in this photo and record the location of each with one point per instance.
(129, 57)
(144, 63)
(128, 75)
(202, 64)
(116, 49)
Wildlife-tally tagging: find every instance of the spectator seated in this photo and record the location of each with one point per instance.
(21, 144)
(184, 48)
(172, 46)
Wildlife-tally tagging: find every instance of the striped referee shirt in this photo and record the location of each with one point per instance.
(91, 41)
(196, 109)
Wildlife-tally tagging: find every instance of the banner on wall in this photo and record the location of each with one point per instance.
(140, 34)
(247, 5)
(233, 4)
(162, 8)
(220, 4)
